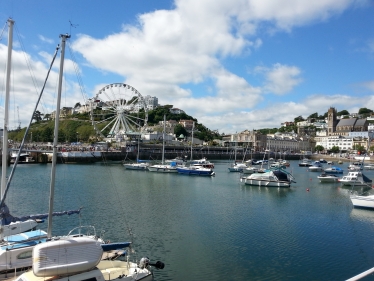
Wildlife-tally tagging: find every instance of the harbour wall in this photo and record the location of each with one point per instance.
(154, 153)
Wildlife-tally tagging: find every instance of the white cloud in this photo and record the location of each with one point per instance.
(169, 52)
(280, 79)
(46, 40)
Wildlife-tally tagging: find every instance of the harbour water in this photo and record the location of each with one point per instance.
(210, 228)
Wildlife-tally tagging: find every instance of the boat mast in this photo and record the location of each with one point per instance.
(4, 158)
(55, 140)
(163, 142)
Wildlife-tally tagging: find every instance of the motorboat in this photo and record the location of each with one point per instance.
(270, 178)
(323, 161)
(163, 168)
(359, 201)
(195, 171)
(330, 163)
(278, 164)
(327, 178)
(137, 166)
(355, 178)
(203, 162)
(355, 166)
(316, 167)
(334, 170)
(237, 167)
(250, 170)
(305, 163)
(369, 166)
(24, 157)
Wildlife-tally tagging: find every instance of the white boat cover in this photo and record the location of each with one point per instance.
(66, 256)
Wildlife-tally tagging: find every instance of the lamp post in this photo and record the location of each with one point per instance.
(77, 137)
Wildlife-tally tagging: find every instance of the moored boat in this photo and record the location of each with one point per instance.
(270, 178)
(327, 178)
(334, 170)
(137, 166)
(203, 162)
(359, 201)
(316, 167)
(369, 166)
(195, 171)
(237, 167)
(355, 178)
(305, 163)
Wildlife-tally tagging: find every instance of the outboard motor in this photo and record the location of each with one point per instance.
(144, 263)
(158, 265)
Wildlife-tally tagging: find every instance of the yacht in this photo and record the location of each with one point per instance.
(316, 167)
(355, 178)
(270, 178)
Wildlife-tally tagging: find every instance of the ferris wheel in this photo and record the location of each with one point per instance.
(118, 111)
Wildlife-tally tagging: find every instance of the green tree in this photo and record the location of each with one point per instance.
(37, 116)
(343, 112)
(335, 149)
(47, 117)
(179, 129)
(359, 148)
(365, 111)
(298, 119)
(314, 115)
(319, 148)
(46, 134)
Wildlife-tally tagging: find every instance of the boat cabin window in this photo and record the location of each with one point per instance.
(25, 255)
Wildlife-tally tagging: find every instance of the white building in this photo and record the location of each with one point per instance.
(151, 102)
(344, 143)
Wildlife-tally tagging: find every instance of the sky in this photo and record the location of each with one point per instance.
(231, 64)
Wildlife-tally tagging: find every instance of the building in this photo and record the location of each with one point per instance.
(253, 139)
(151, 102)
(187, 124)
(176, 111)
(343, 127)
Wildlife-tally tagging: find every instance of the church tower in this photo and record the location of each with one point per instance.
(331, 121)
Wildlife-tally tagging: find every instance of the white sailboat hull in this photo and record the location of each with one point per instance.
(268, 183)
(16, 250)
(136, 166)
(163, 169)
(18, 227)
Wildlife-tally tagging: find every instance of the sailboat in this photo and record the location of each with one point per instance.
(16, 250)
(194, 170)
(237, 167)
(139, 165)
(78, 257)
(164, 168)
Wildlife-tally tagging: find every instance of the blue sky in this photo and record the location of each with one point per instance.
(233, 65)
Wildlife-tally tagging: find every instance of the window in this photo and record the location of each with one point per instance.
(25, 255)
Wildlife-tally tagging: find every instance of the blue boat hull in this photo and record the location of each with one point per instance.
(195, 172)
